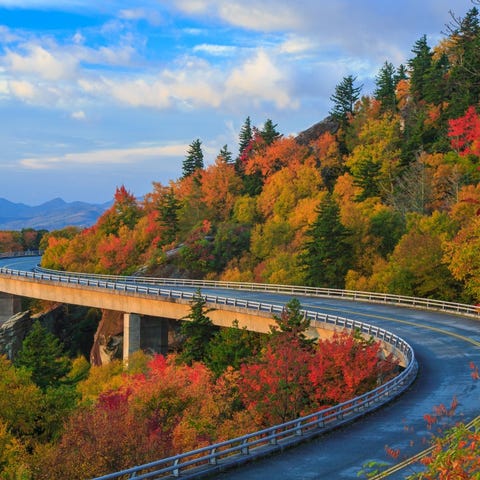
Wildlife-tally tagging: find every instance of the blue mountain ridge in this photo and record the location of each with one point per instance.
(52, 215)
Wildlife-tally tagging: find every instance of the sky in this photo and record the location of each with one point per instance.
(98, 94)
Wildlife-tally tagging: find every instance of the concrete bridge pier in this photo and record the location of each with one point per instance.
(144, 332)
(9, 306)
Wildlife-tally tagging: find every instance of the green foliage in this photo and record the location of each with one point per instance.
(344, 99)
(168, 210)
(230, 347)
(194, 159)
(293, 321)
(42, 356)
(385, 84)
(245, 136)
(269, 132)
(327, 254)
(420, 66)
(198, 330)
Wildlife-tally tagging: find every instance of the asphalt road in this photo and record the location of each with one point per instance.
(444, 345)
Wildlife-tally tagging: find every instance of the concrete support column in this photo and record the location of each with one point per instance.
(9, 306)
(131, 334)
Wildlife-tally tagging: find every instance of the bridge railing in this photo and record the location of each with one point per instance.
(359, 296)
(263, 442)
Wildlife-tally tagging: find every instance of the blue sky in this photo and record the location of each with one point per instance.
(98, 94)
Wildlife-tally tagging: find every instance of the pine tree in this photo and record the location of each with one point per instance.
(327, 255)
(225, 155)
(245, 136)
(400, 74)
(42, 355)
(168, 216)
(231, 347)
(194, 159)
(367, 177)
(464, 74)
(293, 321)
(436, 78)
(385, 84)
(344, 99)
(420, 65)
(269, 132)
(198, 330)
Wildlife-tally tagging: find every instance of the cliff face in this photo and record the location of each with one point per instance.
(74, 326)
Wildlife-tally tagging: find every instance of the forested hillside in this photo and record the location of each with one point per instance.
(383, 195)
(385, 198)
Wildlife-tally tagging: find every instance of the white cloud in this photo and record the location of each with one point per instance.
(261, 80)
(295, 45)
(219, 50)
(104, 157)
(22, 89)
(79, 115)
(39, 61)
(150, 15)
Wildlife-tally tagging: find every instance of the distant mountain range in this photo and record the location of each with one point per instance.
(51, 215)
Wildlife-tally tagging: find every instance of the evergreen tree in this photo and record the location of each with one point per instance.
(293, 321)
(400, 74)
(464, 74)
(198, 331)
(245, 136)
(225, 155)
(385, 85)
(436, 78)
(420, 65)
(327, 255)
(168, 216)
(194, 159)
(269, 132)
(344, 99)
(42, 355)
(231, 347)
(367, 177)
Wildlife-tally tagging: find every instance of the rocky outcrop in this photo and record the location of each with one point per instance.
(13, 332)
(108, 340)
(329, 124)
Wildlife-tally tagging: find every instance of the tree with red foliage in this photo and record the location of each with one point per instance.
(277, 388)
(346, 366)
(464, 133)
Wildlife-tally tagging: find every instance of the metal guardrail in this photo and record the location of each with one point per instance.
(237, 450)
(27, 253)
(359, 296)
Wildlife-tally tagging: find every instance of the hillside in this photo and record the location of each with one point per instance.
(52, 215)
(383, 195)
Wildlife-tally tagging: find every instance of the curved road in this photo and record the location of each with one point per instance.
(444, 345)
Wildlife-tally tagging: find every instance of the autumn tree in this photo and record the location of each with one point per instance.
(327, 254)
(346, 366)
(125, 211)
(276, 388)
(194, 159)
(464, 133)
